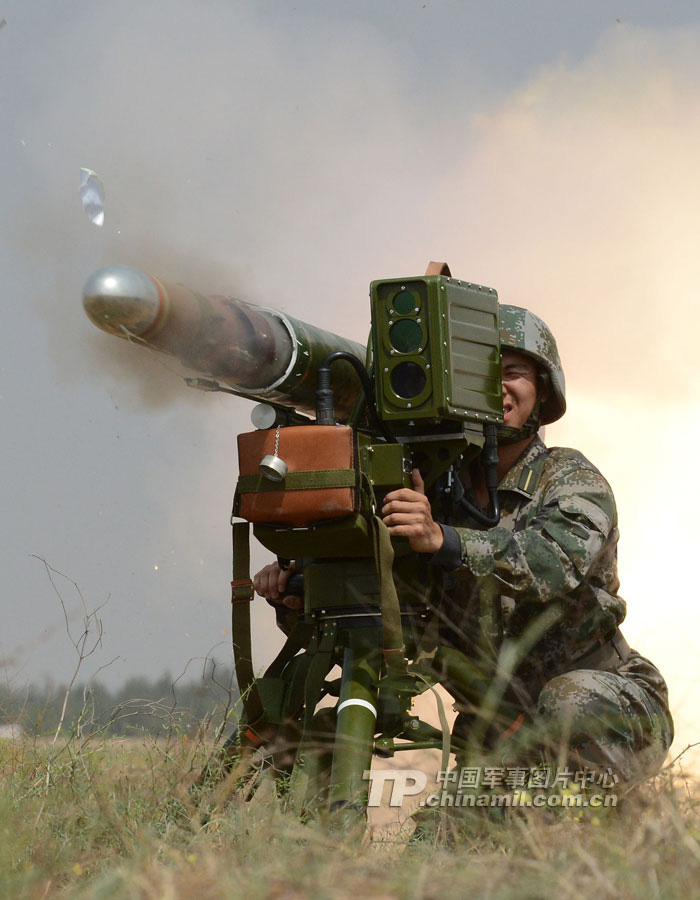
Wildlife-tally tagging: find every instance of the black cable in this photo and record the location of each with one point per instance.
(489, 460)
(325, 408)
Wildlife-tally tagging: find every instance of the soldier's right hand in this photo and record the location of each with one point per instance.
(271, 581)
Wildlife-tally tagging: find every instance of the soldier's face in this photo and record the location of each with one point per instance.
(519, 387)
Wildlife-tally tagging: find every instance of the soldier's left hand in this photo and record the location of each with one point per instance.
(407, 513)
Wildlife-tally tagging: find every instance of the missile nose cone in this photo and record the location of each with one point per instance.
(119, 299)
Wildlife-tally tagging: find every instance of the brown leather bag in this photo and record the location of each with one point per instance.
(322, 483)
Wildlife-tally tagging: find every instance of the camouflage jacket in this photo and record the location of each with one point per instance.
(545, 577)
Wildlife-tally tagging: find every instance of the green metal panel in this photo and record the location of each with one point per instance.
(474, 358)
(389, 309)
(347, 537)
(341, 583)
(313, 345)
(387, 465)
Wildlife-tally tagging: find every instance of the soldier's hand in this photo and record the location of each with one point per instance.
(407, 513)
(271, 581)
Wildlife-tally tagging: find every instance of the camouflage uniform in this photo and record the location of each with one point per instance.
(544, 582)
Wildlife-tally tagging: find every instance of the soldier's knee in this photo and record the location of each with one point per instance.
(567, 700)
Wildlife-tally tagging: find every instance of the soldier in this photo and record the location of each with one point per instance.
(544, 581)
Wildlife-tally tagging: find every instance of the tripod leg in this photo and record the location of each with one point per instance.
(355, 729)
(311, 775)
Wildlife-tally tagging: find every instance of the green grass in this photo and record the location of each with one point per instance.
(108, 818)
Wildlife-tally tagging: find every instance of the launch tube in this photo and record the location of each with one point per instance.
(261, 353)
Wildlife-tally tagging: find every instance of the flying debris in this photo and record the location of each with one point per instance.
(92, 196)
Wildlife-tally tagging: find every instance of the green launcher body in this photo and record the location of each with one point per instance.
(368, 599)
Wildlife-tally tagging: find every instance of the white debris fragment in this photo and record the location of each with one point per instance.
(11, 732)
(92, 196)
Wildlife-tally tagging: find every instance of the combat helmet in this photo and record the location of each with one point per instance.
(523, 331)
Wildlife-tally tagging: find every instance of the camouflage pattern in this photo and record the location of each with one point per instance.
(544, 584)
(525, 332)
(617, 721)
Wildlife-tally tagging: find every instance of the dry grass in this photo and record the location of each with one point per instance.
(116, 821)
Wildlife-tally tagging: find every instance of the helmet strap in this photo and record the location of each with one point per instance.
(509, 435)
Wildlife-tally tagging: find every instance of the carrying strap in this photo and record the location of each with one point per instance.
(307, 680)
(438, 268)
(241, 596)
(392, 630)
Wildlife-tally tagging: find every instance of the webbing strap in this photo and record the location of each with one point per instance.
(298, 481)
(240, 624)
(392, 631)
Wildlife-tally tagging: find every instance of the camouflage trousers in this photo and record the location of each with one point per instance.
(592, 719)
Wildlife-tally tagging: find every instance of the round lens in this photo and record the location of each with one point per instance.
(406, 336)
(405, 302)
(408, 380)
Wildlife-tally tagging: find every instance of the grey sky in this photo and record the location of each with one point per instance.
(284, 153)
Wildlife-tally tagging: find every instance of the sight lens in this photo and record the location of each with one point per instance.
(408, 380)
(406, 336)
(405, 302)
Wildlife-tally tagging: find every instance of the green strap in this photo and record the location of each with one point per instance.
(241, 597)
(392, 630)
(298, 481)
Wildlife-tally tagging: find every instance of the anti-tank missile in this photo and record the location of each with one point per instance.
(261, 353)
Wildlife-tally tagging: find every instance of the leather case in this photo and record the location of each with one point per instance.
(322, 483)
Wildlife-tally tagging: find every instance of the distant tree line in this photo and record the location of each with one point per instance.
(141, 705)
